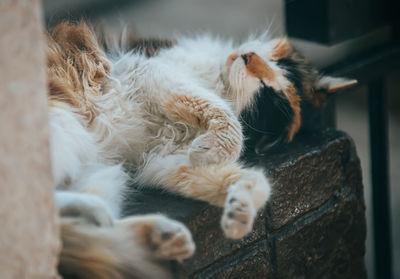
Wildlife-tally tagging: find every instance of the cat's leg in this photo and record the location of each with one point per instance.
(241, 192)
(222, 140)
(96, 194)
(88, 188)
(242, 202)
(87, 206)
(106, 182)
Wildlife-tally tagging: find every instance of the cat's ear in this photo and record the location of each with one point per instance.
(328, 84)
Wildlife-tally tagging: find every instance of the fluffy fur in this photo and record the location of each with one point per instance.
(171, 110)
(128, 249)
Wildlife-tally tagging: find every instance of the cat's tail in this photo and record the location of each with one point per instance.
(103, 253)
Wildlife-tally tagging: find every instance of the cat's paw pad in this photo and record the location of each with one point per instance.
(171, 240)
(238, 217)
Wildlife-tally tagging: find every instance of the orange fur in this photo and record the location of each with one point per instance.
(294, 101)
(77, 67)
(207, 183)
(93, 261)
(200, 113)
(189, 109)
(258, 68)
(281, 49)
(119, 252)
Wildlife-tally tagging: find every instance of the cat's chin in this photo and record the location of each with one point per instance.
(240, 86)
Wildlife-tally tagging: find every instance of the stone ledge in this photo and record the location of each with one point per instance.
(248, 262)
(313, 226)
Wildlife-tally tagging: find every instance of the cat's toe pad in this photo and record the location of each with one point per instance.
(171, 240)
(238, 217)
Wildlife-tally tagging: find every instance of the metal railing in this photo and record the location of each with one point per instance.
(371, 69)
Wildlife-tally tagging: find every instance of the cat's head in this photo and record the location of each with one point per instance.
(274, 73)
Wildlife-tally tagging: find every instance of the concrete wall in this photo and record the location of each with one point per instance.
(29, 234)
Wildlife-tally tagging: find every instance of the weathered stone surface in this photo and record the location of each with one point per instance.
(249, 262)
(29, 234)
(306, 180)
(313, 226)
(328, 243)
(212, 244)
(200, 218)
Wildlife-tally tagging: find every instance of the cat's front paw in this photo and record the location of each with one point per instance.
(213, 148)
(244, 199)
(238, 217)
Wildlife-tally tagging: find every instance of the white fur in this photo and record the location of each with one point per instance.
(88, 206)
(133, 128)
(78, 165)
(71, 145)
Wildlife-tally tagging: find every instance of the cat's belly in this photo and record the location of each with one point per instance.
(121, 140)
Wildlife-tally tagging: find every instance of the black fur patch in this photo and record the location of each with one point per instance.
(300, 72)
(293, 74)
(269, 118)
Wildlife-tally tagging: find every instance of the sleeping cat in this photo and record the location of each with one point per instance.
(171, 111)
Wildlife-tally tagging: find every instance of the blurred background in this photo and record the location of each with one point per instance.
(335, 35)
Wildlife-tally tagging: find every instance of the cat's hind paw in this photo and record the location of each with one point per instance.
(163, 237)
(171, 240)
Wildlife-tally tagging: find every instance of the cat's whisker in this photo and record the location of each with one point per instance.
(282, 107)
(255, 129)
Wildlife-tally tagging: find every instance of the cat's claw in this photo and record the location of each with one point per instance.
(239, 214)
(171, 240)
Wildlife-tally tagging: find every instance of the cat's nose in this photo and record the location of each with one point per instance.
(247, 57)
